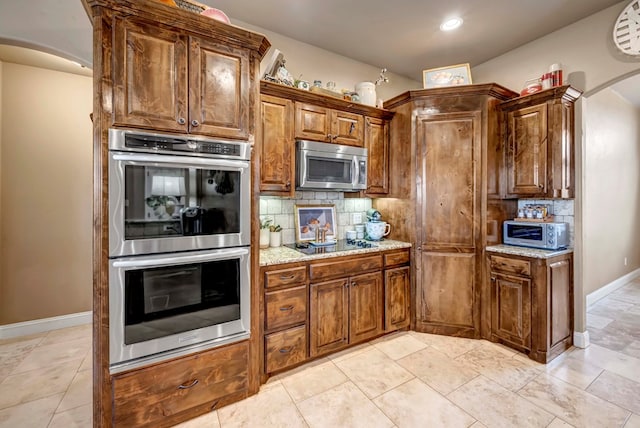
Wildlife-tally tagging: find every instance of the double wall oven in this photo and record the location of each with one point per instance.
(179, 245)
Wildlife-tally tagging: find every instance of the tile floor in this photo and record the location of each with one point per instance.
(402, 380)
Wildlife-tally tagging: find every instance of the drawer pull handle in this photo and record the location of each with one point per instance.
(191, 385)
(286, 308)
(286, 350)
(287, 277)
(215, 404)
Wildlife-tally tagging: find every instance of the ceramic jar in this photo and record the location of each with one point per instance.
(377, 229)
(367, 93)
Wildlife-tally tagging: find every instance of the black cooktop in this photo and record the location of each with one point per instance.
(340, 245)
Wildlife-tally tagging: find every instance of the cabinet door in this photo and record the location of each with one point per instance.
(396, 298)
(277, 150)
(376, 140)
(347, 128)
(527, 151)
(560, 289)
(511, 309)
(312, 122)
(329, 316)
(449, 217)
(219, 81)
(149, 76)
(366, 306)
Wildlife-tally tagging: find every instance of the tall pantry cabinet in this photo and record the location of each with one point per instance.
(445, 160)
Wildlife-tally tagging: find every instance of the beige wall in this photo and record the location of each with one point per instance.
(314, 63)
(611, 193)
(585, 49)
(45, 193)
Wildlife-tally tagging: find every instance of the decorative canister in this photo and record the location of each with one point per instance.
(367, 93)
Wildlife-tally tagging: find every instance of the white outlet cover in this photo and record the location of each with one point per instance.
(357, 218)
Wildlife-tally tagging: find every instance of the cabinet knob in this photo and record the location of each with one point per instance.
(329, 137)
(354, 284)
(181, 120)
(288, 185)
(493, 278)
(195, 123)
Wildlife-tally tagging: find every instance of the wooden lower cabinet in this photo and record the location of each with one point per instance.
(532, 303)
(322, 306)
(164, 394)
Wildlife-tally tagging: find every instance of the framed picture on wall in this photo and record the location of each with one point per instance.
(308, 218)
(453, 75)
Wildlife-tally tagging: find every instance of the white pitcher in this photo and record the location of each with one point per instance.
(377, 229)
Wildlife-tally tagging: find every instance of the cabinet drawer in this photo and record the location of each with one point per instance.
(285, 348)
(509, 265)
(144, 397)
(396, 258)
(290, 276)
(285, 307)
(326, 270)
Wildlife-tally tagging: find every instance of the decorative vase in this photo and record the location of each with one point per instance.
(367, 93)
(264, 238)
(275, 239)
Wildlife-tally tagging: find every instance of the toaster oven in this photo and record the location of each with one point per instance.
(548, 236)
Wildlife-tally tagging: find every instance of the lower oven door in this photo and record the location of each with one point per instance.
(167, 305)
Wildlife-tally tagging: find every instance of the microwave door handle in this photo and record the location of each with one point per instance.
(356, 175)
(179, 161)
(168, 261)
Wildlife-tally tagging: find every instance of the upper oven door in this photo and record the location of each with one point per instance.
(166, 203)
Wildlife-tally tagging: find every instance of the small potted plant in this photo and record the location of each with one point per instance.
(265, 232)
(275, 235)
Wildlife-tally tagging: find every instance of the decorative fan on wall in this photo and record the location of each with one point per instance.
(626, 30)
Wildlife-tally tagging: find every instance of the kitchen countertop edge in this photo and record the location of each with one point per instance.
(282, 255)
(526, 251)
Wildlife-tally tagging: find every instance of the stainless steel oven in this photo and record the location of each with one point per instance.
(166, 305)
(173, 193)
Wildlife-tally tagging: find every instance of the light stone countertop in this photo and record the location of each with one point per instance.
(527, 252)
(279, 255)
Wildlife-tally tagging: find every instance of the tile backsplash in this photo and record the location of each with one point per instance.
(562, 210)
(280, 210)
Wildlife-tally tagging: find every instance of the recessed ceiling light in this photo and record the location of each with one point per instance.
(451, 24)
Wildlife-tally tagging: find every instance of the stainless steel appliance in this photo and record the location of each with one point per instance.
(179, 245)
(544, 235)
(175, 193)
(326, 166)
(166, 305)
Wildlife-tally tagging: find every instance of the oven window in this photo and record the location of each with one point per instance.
(328, 170)
(169, 300)
(530, 233)
(164, 202)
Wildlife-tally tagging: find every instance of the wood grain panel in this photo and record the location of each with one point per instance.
(218, 89)
(144, 397)
(527, 151)
(347, 128)
(150, 79)
(285, 277)
(397, 258)
(285, 348)
(510, 265)
(329, 316)
(312, 122)
(366, 306)
(449, 171)
(511, 313)
(447, 294)
(277, 150)
(344, 268)
(397, 297)
(285, 308)
(376, 141)
(560, 301)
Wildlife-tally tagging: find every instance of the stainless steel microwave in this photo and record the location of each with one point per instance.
(548, 236)
(327, 166)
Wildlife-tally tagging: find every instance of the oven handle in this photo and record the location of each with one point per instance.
(173, 260)
(179, 161)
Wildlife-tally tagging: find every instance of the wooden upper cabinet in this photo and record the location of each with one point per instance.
(376, 140)
(218, 89)
(539, 144)
(527, 151)
(150, 76)
(327, 125)
(170, 81)
(278, 146)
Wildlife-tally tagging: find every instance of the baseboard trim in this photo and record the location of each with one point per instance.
(581, 339)
(45, 324)
(611, 287)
